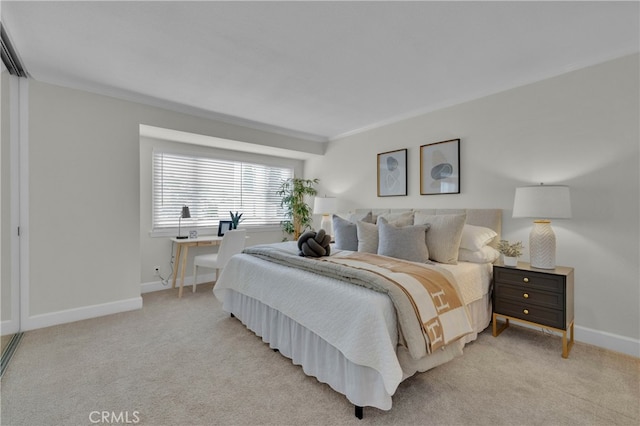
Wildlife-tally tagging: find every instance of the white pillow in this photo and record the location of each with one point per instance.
(476, 237)
(486, 254)
(397, 219)
(443, 238)
(354, 217)
(367, 237)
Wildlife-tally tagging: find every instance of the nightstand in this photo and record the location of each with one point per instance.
(539, 297)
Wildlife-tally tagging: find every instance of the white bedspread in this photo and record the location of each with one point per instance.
(359, 322)
(473, 279)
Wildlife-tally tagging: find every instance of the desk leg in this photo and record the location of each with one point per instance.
(184, 264)
(177, 265)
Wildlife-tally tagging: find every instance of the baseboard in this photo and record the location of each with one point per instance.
(9, 327)
(94, 311)
(610, 341)
(601, 339)
(83, 313)
(153, 286)
(188, 282)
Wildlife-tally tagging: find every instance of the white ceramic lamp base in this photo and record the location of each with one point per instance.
(542, 245)
(327, 225)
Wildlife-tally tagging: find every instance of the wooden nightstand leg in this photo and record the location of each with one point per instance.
(175, 269)
(566, 346)
(184, 264)
(497, 331)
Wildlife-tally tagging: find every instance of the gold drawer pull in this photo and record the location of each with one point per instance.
(526, 280)
(526, 312)
(526, 295)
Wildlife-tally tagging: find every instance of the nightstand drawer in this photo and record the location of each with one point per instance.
(522, 294)
(530, 279)
(533, 313)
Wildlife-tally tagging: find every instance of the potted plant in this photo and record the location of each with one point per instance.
(236, 218)
(510, 252)
(293, 192)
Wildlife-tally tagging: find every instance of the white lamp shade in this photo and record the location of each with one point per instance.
(324, 205)
(542, 202)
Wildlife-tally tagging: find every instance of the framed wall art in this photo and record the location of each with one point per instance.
(440, 168)
(392, 173)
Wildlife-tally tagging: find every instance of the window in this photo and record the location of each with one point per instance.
(212, 188)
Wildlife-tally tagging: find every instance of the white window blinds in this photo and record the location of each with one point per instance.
(211, 188)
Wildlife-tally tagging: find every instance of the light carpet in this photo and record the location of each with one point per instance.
(186, 362)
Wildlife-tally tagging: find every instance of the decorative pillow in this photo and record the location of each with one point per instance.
(476, 237)
(397, 219)
(367, 237)
(314, 244)
(486, 254)
(354, 217)
(443, 238)
(407, 242)
(345, 232)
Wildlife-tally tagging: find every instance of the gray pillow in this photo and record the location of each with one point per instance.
(345, 232)
(407, 242)
(443, 238)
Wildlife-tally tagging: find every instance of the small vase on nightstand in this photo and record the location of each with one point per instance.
(510, 261)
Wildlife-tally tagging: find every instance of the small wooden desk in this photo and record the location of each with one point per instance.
(186, 243)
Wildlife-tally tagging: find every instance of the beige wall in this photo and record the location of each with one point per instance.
(84, 197)
(579, 129)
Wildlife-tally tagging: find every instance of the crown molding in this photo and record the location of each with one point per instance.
(130, 96)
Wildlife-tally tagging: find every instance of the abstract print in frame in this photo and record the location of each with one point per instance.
(392, 173)
(440, 168)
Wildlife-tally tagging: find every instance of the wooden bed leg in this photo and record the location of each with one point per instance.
(359, 411)
(232, 316)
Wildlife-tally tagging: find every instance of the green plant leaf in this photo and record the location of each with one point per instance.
(292, 194)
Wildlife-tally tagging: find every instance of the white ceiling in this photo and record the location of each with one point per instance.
(317, 70)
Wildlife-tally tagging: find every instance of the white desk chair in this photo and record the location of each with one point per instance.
(232, 243)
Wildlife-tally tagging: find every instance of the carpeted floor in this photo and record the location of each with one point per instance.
(186, 362)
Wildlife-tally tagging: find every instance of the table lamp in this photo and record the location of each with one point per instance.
(184, 214)
(325, 206)
(542, 202)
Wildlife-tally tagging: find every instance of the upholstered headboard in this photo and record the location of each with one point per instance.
(490, 218)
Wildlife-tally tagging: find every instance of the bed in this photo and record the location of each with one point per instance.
(350, 336)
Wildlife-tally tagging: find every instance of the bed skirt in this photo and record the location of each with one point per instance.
(363, 386)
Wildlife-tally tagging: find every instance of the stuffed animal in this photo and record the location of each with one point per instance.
(314, 244)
